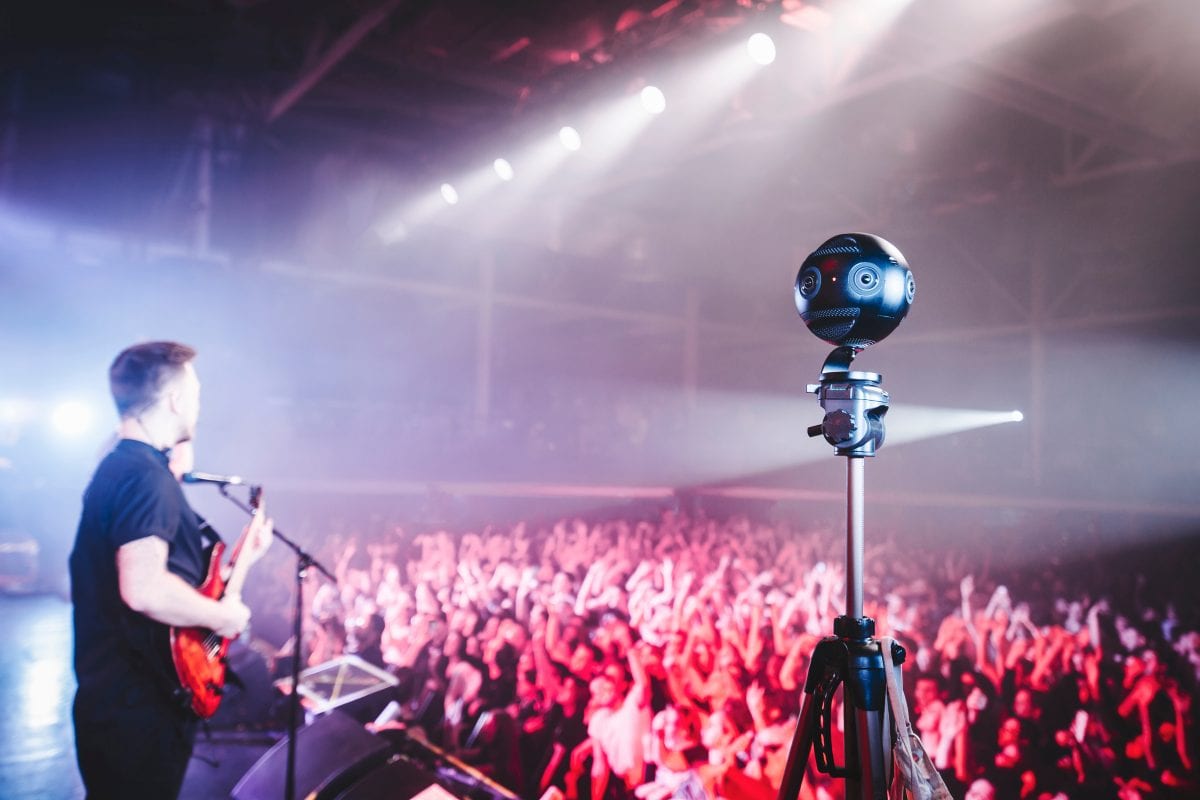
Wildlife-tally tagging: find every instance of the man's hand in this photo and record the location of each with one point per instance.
(237, 618)
(257, 535)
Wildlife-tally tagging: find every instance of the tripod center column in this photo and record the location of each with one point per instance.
(855, 505)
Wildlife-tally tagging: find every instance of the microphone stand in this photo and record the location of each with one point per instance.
(854, 404)
(304, 561)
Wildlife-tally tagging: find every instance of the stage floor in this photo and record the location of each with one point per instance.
(37, 745)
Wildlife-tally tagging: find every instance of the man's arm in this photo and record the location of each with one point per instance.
(149, 588)
(641, 681)
(547, 675)
(600, 770)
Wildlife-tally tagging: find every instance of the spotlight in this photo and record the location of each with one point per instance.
(449, 194)
(761, 48)
(503, 169)
(570, 138)
(71, 418)
(1016, 416)
(653, 100)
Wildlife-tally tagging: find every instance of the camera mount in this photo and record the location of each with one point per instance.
(854, 404)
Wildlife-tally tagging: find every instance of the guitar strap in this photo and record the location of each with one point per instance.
(208, 536)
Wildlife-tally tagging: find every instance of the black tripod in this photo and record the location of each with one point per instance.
(854, 405)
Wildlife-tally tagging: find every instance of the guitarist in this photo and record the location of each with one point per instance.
(139, 553)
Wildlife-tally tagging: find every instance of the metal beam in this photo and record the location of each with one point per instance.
(934, 57)
(342, 47)
(488, 83)
(998, 288)
(1019, 88)
(473, 294)
(930, 59)
(691, 345)
(8, 128)
(484, 348)
(202, 217)
(1134, 164)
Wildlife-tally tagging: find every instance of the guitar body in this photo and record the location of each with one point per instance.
(198, 653)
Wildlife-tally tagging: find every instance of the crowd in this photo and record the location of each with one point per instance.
(663, 658)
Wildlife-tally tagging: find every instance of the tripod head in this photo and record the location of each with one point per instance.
(854, 404)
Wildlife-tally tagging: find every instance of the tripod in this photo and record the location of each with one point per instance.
(854, 404)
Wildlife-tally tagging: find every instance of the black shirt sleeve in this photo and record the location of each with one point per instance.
(146, 508)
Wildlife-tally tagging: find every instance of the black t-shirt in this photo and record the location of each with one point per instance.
(132, 495)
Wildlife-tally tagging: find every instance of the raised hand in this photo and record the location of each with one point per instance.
(1181, 699)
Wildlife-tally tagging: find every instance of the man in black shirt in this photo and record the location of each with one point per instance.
(139, 554)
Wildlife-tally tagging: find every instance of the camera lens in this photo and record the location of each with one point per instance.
(865, 279)
(809, 282)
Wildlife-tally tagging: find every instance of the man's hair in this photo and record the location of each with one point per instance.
(138, 374)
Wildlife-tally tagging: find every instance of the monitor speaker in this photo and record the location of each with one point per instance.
(398, 779)
(334, 750)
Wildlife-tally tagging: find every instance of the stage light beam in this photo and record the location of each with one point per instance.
(748, 434)
(503, 169)
(915, 423)
(449, 194)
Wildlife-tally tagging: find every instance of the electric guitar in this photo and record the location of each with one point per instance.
(198, 653)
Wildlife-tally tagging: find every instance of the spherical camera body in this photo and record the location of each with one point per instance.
(854, 290)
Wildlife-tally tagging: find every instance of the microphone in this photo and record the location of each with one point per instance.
(207, 477)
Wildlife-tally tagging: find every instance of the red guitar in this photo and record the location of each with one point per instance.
(198, 653)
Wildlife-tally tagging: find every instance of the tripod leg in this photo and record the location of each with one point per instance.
(870, 780)
(813, 729)
(802, 741)
(868, 720)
